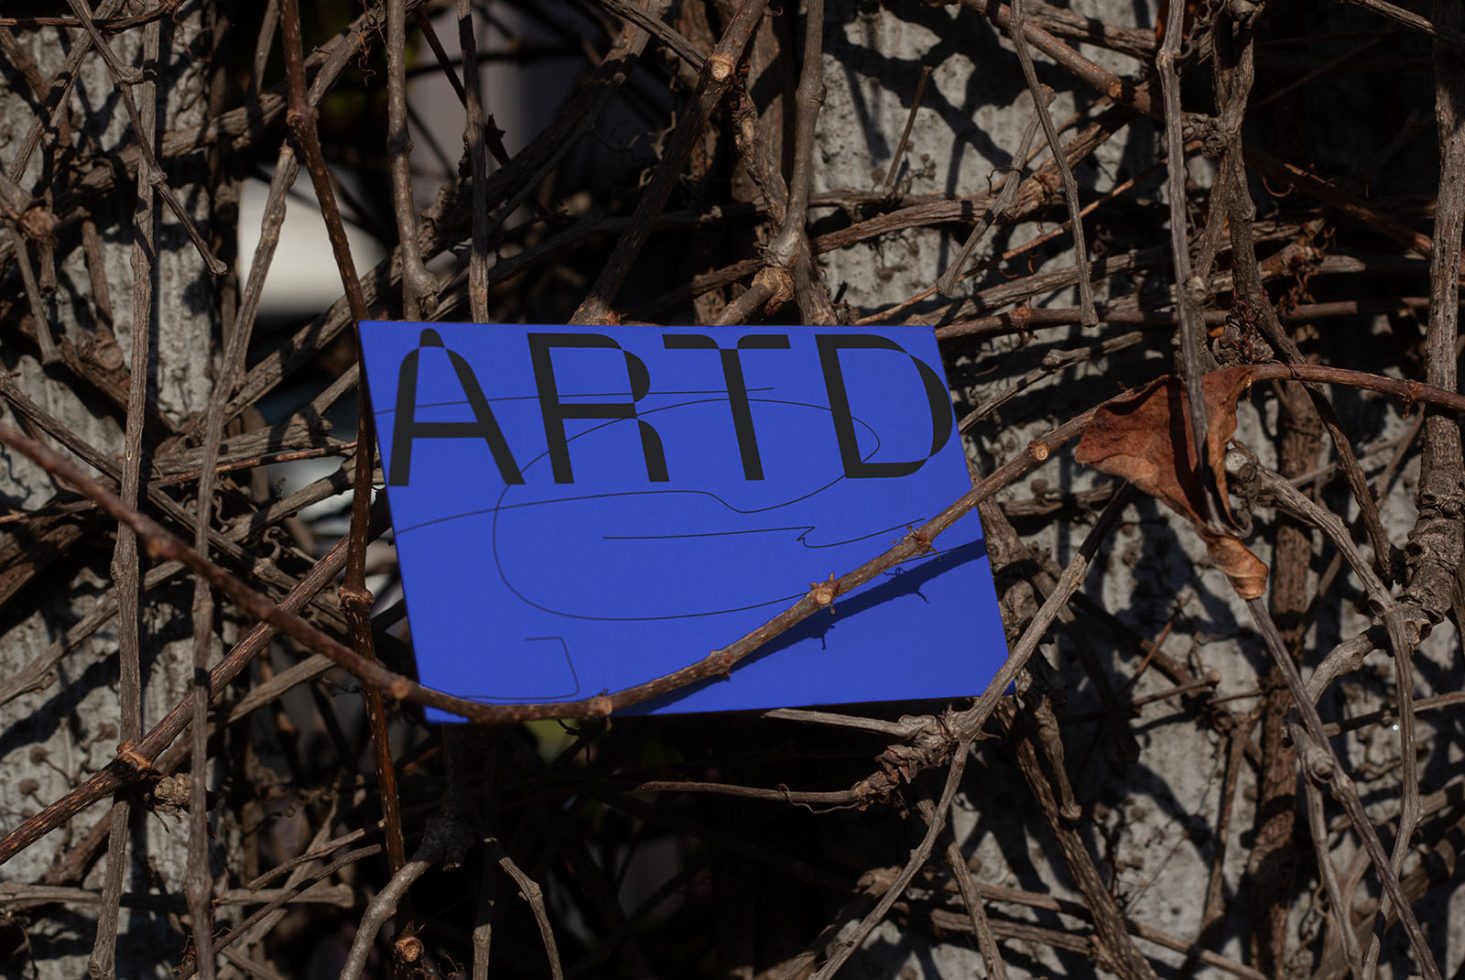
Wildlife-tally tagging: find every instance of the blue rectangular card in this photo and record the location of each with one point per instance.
(581, 509)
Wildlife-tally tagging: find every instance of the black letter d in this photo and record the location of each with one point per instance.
(937, 397)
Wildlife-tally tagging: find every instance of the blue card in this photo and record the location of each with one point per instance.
(579, 510)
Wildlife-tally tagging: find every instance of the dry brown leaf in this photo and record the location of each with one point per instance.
(1144, 437)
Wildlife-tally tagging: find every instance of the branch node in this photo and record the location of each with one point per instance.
(38, 223)
(137, 763)
(409, 949)
(823, 593)
(923, 540)
(720, 67)
(356, 600)
(779, 283)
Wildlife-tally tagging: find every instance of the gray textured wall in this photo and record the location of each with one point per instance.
(1153, 821)
(52, 739)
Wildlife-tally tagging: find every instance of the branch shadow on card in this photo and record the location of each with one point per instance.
(898, 583)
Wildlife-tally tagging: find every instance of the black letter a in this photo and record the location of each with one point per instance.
(405, 427)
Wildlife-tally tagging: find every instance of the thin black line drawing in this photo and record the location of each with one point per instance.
(803, 531)
(535, 698)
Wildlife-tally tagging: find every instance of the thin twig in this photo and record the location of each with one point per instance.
(1070, 186)
(893, 170)
(356, 599)
(1435, 539)
(134, 765)
(877, 725)
(1191, 326)
(788, 261)
(478, 162)
(483, 919)
(1386, 716)
(1324, 765)
(713, 82)
(231, 368)
(1118, 950)
(285, 895)
(957, 267)
(150, 169)
(1235, 74)
(675, 41)
(418, 285)
(444, 840)
(54, 102)
(971, 899)
(533, 896)
(971, 722)
(1317, 827)
(1434, 28)
(126, 563)
(45, 336)
(919, 856)
(107, 23)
